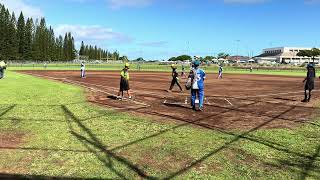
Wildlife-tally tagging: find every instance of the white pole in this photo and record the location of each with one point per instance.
(107, 56)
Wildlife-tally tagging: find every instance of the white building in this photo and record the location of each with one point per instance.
(284, 55)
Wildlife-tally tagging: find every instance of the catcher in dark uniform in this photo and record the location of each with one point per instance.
(309, 82)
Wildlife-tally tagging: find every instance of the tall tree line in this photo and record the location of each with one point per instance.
(95, 53)
(27, 40)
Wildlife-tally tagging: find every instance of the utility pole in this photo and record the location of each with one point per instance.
(107, 56)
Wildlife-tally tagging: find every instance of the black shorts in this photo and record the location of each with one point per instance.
(124, 85)
(309, 85)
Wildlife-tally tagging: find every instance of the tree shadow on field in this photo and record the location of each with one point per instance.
(309, 165)
(226, 145)
(186, 123)
(237, 137)
(305, 166)
(261, 114)
(7, 176)
(92, 143)
(304, 162)
(7, 110)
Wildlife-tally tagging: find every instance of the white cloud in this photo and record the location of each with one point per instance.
(244, 1)
(20, 5)
(128, 3)
(92, 33)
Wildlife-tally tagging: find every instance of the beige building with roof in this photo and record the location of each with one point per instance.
(284, 55)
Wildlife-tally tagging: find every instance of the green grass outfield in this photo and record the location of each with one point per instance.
(154, 68)
(54, 132)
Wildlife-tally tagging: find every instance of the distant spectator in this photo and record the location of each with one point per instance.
(220, 72)
(83, 70)
(3, 66)
(138, 66)
(183, 72)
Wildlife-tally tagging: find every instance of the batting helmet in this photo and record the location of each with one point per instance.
(310, 65)
(196, 63)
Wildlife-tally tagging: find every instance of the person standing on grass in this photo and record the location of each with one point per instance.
(2, 68)
(197, 89)
(83, 70)
(139, 67)
(124, 82)
(183, 72)
(309, 82)
(220, 72)
(175, 78)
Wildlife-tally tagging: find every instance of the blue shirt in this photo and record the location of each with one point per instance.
(199, 78)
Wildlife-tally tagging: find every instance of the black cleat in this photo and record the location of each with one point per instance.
(304, 100)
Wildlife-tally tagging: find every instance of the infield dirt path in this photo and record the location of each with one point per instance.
(239, 102)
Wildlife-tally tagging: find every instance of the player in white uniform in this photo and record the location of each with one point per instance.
(83, 70)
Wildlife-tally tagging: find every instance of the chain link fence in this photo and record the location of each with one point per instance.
(146, 66)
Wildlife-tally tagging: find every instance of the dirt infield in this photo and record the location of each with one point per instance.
(240, 102)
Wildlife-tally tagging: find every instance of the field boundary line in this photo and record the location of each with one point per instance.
(98, 85)
(116, 89)
(228, 101)
(102, 91)
(85, 86)
(267, 95)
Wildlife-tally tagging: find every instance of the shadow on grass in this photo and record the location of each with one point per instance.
(92, 143)
(305, 166)
(245, 135)
(309, 164)
(108, 157)
(7, 110)
(6, 176)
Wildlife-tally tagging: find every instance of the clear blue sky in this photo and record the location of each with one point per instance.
(158, 29)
